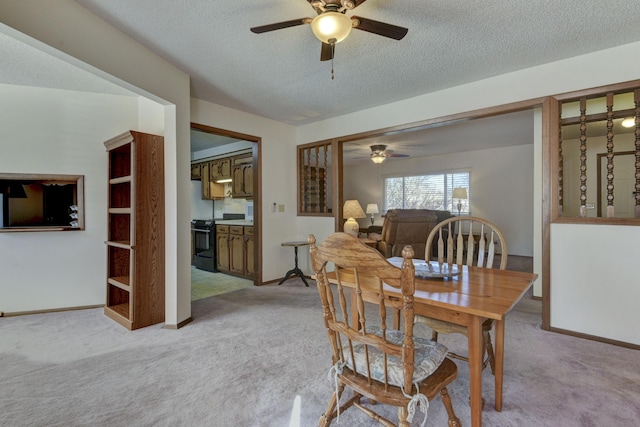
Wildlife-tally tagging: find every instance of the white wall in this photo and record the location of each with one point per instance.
(595, 284)
(507, 202)
(59, 132)
(609, 66)
(67, 30)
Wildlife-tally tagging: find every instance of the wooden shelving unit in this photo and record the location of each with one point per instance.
(135, 241)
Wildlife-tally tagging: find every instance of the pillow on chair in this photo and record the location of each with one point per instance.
(428, 356)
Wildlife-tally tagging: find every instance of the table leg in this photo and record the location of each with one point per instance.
(296, 270)
(499, 356)
(474, 327)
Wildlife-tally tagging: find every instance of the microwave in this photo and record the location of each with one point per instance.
(248, 210)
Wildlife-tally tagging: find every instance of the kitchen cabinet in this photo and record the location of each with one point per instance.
(249, 253)
(236, 249)
(210, 190)
(222, 246)
(242, 175)
(196, 172)
(220, 169)
(236, 246)
(135, 231)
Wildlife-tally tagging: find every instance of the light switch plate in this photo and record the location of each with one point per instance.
(280, 208)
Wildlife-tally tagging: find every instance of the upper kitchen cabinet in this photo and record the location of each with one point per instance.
(242, 176)
(220, 169)
(211, 190)
(196, 170)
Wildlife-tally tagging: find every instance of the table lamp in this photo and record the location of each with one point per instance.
(352, 210)
(459, 193)
(372, 208)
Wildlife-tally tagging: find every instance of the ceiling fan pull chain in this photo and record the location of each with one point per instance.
(333, 54)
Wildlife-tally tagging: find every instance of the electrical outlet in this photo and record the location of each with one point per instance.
(591, 205)
(280, 208)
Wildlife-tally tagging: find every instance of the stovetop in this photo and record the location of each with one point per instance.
(198, 222)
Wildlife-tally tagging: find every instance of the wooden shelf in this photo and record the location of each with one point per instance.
(119, 313)
(121, 309)
(120, 180)
(121, 282)
(120, 244)
(135, 233)
(119, 210)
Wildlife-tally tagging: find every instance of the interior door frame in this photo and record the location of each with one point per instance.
(549, 110)
(256, 151)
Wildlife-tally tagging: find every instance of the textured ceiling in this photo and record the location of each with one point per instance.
(279, 74)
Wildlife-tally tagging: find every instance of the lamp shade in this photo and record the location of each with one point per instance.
(372, 208)
(459, 193)
(331, 27)
(351, 210)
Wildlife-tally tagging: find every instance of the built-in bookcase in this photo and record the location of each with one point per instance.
(135, 234)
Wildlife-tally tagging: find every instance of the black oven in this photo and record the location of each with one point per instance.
(203, 242)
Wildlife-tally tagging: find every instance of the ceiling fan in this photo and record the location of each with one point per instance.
(332, 25)
(379, 153)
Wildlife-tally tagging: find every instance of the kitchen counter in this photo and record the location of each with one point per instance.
(241, 222)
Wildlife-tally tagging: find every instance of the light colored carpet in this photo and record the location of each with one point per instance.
(248, 353)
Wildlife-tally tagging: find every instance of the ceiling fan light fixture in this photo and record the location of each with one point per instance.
(331, 27)
(377, 158)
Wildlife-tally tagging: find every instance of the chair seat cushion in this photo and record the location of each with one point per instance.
(427, 357)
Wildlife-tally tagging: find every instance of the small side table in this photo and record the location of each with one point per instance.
(369, 242)
(296, 270)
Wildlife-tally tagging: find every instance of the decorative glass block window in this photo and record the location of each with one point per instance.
(314, 179)
(598, 154)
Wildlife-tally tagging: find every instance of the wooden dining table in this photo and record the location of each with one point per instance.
(467, 299)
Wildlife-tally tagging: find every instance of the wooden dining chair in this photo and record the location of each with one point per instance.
(472, 241)
(377, 362)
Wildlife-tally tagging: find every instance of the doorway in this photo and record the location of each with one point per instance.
(234, 203)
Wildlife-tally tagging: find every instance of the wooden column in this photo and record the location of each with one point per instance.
(610, 207)
(583, 157)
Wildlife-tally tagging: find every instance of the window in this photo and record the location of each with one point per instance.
(432, 191)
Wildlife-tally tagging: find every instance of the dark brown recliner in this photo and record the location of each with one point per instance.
(408, 227)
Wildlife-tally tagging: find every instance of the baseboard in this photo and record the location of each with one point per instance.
(179, 325)
(50, 310)
(595, 338)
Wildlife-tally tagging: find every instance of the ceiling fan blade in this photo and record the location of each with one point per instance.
(326, 53)
(280, 25)
(395, 155)
(380, 28)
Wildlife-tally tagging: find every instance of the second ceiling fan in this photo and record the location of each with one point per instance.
(332, 25)
(379, 153)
